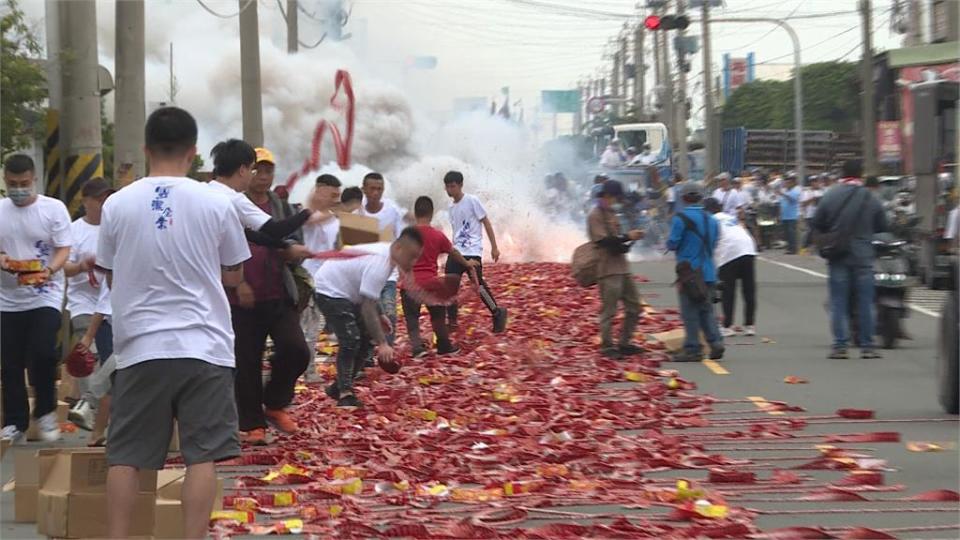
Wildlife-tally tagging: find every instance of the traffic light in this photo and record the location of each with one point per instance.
(666, 22)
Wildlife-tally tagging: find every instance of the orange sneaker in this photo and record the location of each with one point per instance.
(254, 437)
(281, 420)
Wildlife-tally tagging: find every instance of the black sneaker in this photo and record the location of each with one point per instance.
(611, 353)
(453, 349)
(500, 321)
(684, 357)
(631, 350)
(838, 354)
(333, 391)
(419, 352)
(350, 401)
(870, 354)
(716, 353)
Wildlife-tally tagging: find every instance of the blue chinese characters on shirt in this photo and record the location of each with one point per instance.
(159, 207)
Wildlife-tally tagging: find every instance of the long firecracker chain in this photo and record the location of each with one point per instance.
(493, 441)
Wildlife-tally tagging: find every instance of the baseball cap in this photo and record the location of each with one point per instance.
(613, 188)
(723, 176)
(265, 155)
(96, 187)
(691, 188)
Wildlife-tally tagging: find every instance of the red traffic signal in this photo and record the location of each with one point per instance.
(667, 22)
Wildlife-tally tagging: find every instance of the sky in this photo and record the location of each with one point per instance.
(485, 45)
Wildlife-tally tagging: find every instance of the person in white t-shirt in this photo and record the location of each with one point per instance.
(729, 198)
(613, 157)
(233, 169)
(735, 257)
(33, 228)
(348, 293)
(168, 249)
(319, 234)
(98, 382)
(469, 219)
(391, 219)
(83, 290)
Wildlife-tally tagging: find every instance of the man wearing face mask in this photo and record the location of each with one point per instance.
(32, 228)
(613, 271)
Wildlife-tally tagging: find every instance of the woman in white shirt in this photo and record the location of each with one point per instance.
(735, 257)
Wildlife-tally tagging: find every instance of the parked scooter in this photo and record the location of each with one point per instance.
(890, 284)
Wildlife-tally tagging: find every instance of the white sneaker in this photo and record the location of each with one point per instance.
(750, 331)
(48, 428)
(727, 332)
(12, 434)
(82, 414)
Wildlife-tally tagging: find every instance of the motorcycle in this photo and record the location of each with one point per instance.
(890, 272)
(767, 214)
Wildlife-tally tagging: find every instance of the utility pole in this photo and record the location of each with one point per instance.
(129, 107)
(712, 149)
(293, 35)
(624, 94)
(615, 83)
(250, 74)
(52, 148)
(82, 145)
(684, 165)
(639, 83)
(867, 111)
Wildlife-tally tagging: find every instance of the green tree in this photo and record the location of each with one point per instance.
(22, 80)
(831, 93)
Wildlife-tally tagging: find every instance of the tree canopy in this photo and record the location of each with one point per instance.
(22, 80)
(831, 100)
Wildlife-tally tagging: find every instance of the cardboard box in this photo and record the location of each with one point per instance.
(31, 468)
(356, 229)
(175, 439)
(62, 411)
(84, 470)
(170, 486)
(673, 339)
(72, 499)
(84, 515)
(168, 519)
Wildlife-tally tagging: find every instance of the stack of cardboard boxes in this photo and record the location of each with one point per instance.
(64, 492)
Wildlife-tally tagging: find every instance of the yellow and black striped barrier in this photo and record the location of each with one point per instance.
(79, 169)
(51, 154)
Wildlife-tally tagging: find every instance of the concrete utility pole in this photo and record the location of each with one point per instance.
(867, 111)
(293, 34)
(684, 165)
(615, 83)
(52, 156)
(624, 94)
(82, 145)
(130, 106)
(250, 74)
(639, 82)
(712, 148)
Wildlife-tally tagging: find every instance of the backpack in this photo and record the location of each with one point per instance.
(584, 264)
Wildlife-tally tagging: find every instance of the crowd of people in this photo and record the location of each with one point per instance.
(716, 239)
(175, 285)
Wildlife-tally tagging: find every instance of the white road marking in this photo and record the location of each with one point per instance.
(918, 309)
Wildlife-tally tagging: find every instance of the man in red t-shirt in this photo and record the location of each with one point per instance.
(435, 243)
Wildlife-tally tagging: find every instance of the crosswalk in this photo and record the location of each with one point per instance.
(926, 299)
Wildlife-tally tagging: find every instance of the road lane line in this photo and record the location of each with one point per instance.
(764, 405)
(716, 368)
(918, 309)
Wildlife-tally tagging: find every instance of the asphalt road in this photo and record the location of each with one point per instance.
(901, 385)
(791, 315)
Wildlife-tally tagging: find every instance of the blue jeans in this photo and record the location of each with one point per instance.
(388, 306)
(790, 234)
(699, 317)
(843, 277)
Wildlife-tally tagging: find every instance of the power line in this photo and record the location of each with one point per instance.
(222, 16)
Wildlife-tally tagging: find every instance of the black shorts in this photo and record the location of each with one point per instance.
(455, 268)
(149, 396)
